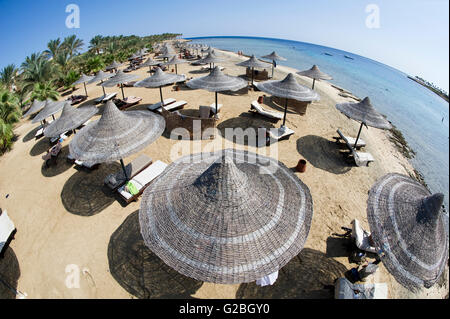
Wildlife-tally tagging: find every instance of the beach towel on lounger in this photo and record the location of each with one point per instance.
(131, 188)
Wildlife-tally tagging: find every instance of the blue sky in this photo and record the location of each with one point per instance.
(413, 35)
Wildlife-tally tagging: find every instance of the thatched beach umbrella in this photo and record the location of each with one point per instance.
(158, 80)
(253, 63)
(120, 78)
(117, 134)
(315, 74)
(100, 77)
(226, 217)
(365, 113)
(407, 225)
(149, 62)
(288, 88)
(217, 81)
(211, 58)
(113, 66)
(70, 119)
(50, 108)
(274, 57)
(36, 106)
(84, 79)
(174, 61)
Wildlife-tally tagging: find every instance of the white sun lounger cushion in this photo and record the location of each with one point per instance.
(350, 141)
(362, 159)
(258, 108)
(106, 97)
(361, 237)
(6, 229)
(213, 107)
(267, 280)
(344, 289)
(173, 106)
(144, 178)
(156, 106)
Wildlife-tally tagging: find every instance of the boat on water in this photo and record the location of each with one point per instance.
(348, 57)
(329, 54)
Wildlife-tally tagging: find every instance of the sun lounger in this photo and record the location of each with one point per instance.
(257, 108)
(350, 141)
(173, 106)
(277, 134)
(344, 289)
(362, 159)
(57, 138)
(142, 180)
(362, 237)
(40, 131)
(205, 111)
(156, 106)
(7, 230)
(84, 124)
(267, 280)
(88, 165)
(105, 98)
(77, 99)
(213, 108)
(207, 68)
(114, 181)
(127, 102)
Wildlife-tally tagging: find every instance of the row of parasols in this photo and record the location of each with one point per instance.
(215, 217)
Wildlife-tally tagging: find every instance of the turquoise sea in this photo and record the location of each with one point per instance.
(421, 115)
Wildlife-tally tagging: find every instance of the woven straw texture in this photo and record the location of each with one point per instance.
(364, 112)
(83, 79)
(274, 57)
(50, 108)
(288, 88)
(150, 62)
(315, 73)
(407, 224)
(175, 60)
(70, 119)
(100, 76)
(120, 78)
(218, 218)
(210, 58)
(253, 63)
(35, 107)
(116, 135)
(217, 81)
(159, 78)
(113, 65)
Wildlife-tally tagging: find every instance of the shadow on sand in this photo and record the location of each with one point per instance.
(85, 194)
(322, 153)
(31, 134)
(61, 165)
(141, 272)
(245, 121)
(9, 274)
(309, 275)
(40, 147)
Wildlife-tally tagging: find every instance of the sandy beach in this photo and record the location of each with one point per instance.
(68, 222)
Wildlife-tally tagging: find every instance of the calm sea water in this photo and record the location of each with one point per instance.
(421, 115)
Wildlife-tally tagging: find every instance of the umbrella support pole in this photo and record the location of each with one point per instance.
(252, 75)
(314, 81)
(104, 93)
(285, 110)
(216, 105)
(53, 117)
(176, 70)
(272, 69)
(121, 87)
(124, 170)
(85, 91)
(160, 94)
(359, 133)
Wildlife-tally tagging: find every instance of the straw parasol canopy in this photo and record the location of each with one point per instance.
(210, 58)
(315, 74)
(70, 119)
(113, 66)
(84, 79)
(288, 88)
(407, 224)
(174, 61)
(274, 57)
(217, 81)
(117, 134)
(100, 77)
(365, 113)
(36, 106)
(226, 217)
(120, 78)
(253, 63)
(158, 79)
(50, 108)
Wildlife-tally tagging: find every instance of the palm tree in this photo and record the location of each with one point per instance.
(72, 44)
(62, 59)
(54, 47)
(9, 114)
(95, 64)
(95, 43)
(44, 91)
(7, 75)
(36, 69)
